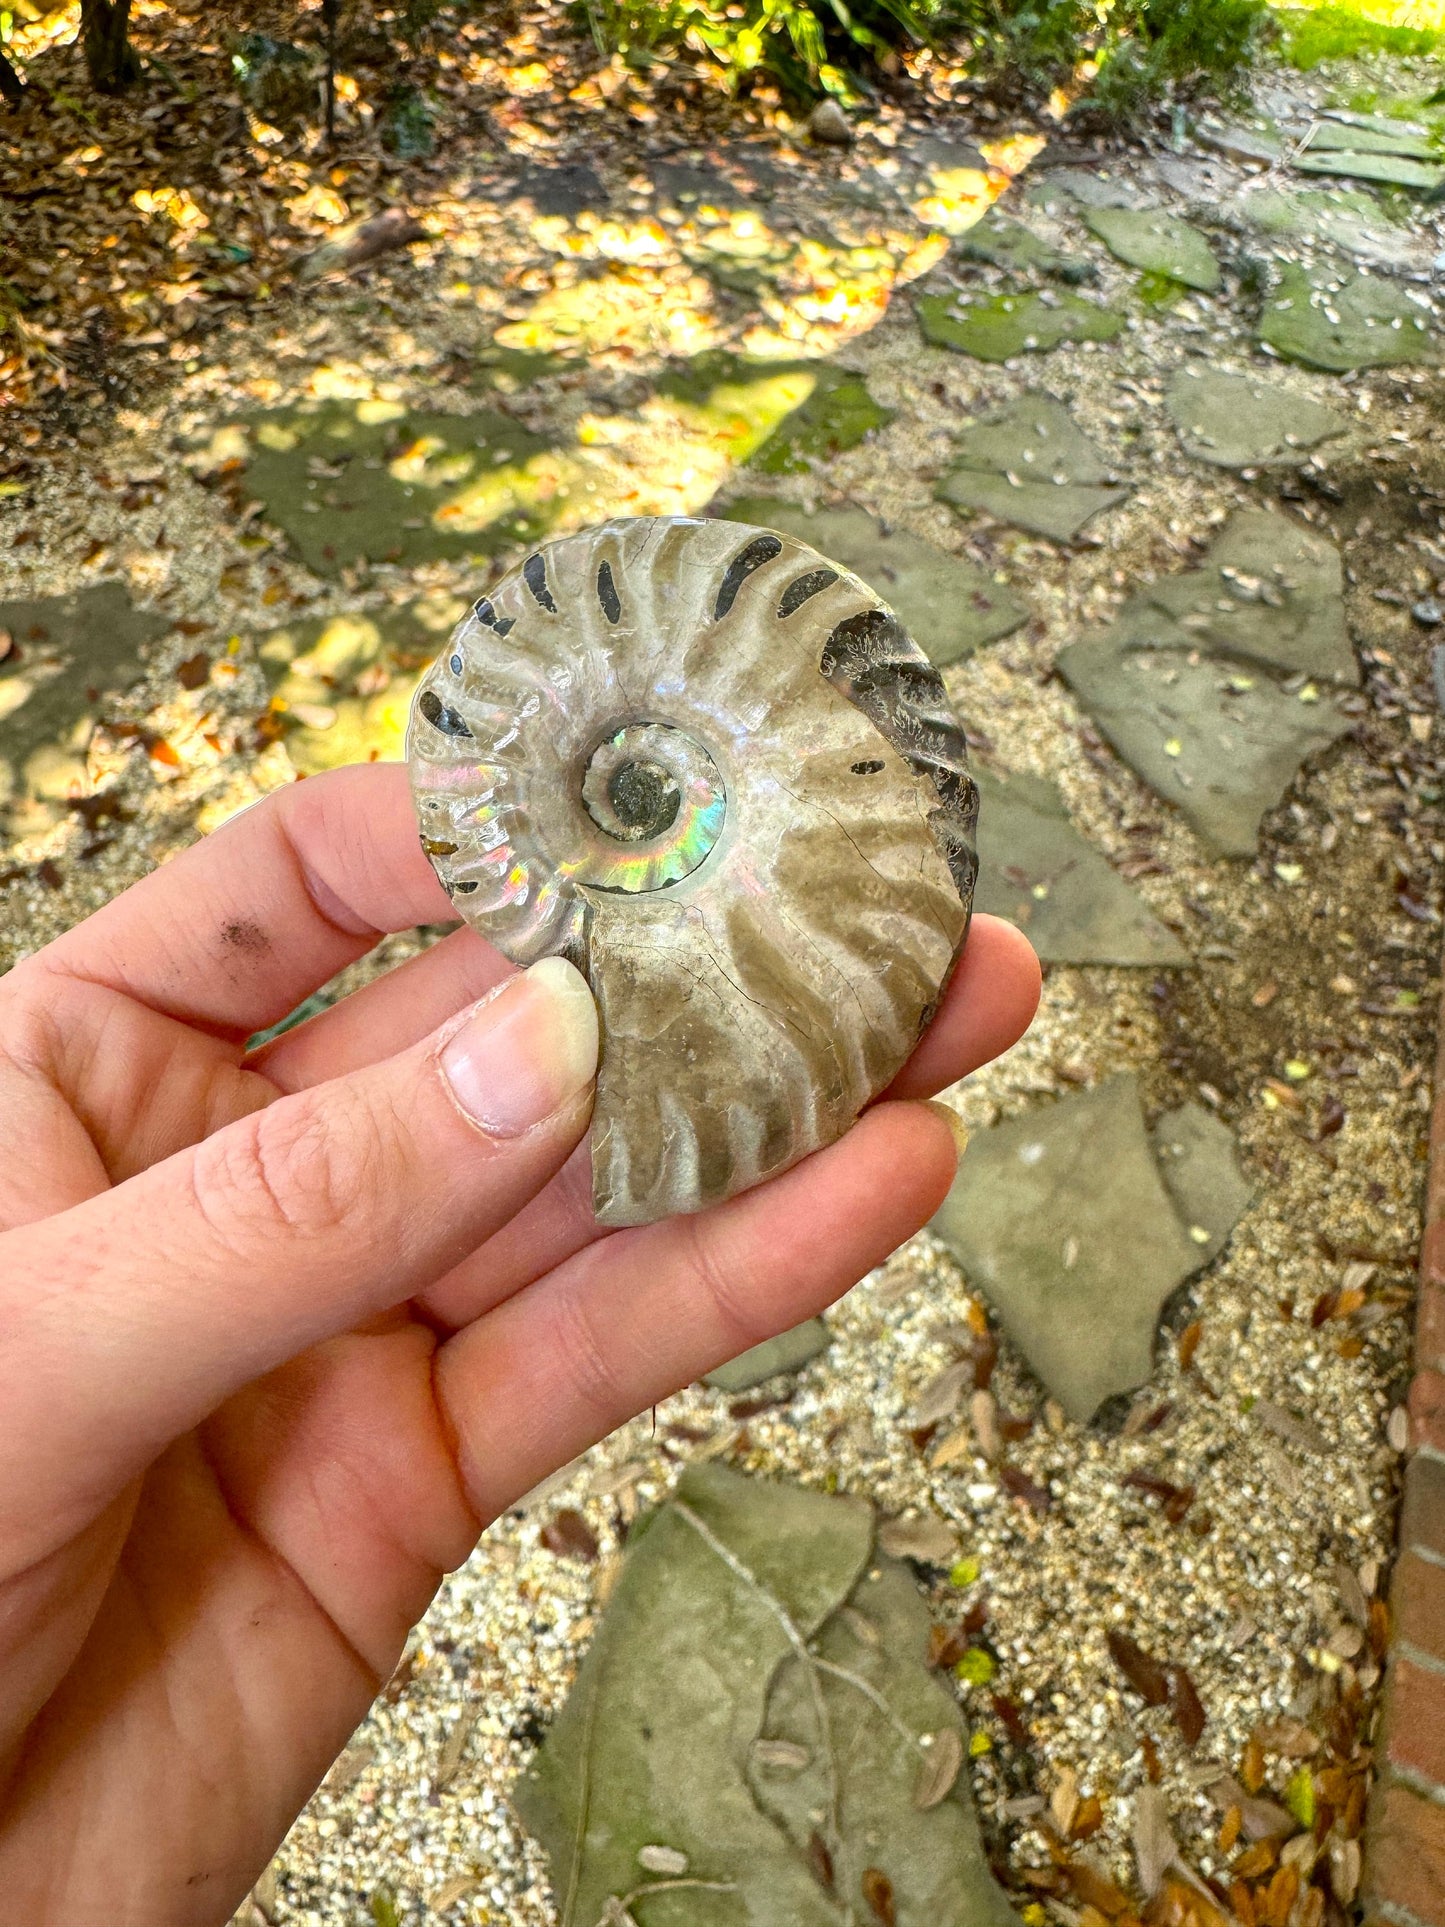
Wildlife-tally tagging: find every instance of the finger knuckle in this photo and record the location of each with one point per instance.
(300, 1168)
(723, 1285)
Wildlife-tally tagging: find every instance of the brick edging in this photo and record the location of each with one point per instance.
(1404, 1876)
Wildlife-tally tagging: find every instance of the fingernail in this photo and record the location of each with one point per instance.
(526, 1052)
(955, 1124)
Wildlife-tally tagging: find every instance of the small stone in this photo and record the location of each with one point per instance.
(664, 1860)
(1429, 613)
(829, 124)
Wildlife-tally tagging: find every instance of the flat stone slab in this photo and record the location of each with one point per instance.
(1241, 421)
(1199, 1163)
(1001, 326)
(1239, 140)
(1392, 170)
(948, 605)
(1339, 217)
(1368, 134)
(1221, 744)
(1271, 592)
(1032, 465)
(1150, 239)
(1062, 1218)
(790, 1351)
(66, 654)
(702, 1732)
(1040, 873)
(352, 481)
(1063, 185)
(1338, 322)
(1005, 243)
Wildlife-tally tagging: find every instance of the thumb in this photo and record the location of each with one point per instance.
(134, 1314)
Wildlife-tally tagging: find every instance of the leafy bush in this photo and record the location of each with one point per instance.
(1142, 48)
(805, 44)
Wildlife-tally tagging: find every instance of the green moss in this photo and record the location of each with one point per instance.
(838, 414)
(1311, 35)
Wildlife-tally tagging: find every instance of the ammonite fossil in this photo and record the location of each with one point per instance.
(712, 769)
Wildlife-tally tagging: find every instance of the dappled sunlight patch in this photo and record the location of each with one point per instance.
(627, 312)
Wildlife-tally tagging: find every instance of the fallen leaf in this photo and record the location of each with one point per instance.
(1186, 1706)
(1143, 1672)
(1094, 1887)
(939, 1398)
(1189, 1343)
(878, 1892)
(568, 1535)
(928, 1540)
(1020, 1486)
(941, 1766)
(1155, 1850)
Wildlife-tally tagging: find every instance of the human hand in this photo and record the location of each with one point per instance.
(283, 1333)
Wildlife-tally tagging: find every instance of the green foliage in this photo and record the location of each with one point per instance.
(406, 127)
(1144, 49)
(804, 44)
(1312, 34)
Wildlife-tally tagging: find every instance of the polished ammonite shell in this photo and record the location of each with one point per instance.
(712, 769)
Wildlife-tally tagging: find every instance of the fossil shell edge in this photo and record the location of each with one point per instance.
(711, 768)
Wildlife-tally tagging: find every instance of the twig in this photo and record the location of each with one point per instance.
(329, 11)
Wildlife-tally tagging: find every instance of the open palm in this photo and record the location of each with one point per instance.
(281, 1334)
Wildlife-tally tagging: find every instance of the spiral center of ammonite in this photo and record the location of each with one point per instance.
(645, 799)
(657, 795)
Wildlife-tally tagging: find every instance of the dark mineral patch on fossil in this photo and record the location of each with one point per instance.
(441, 715)
(761, 549)
(873, 661)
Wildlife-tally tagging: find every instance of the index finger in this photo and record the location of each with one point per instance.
(240, 928)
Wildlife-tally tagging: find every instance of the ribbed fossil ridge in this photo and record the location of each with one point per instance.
(714, 771)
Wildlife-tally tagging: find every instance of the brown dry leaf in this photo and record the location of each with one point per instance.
(958, 1445)
(878, 1892)
(1289, 1427)
(1094, 1887)
(1290, 1737)
(453, 1890)
(1155, 1850)
(1088, 1819)
(983, 1416)
(453, 1750)
(350, 1767)
(1064, 1801)
(1279, 1901)
(1153, 1765)
(1256, 1860)
(928, 1540)
(568, 1535)
(1143, 1672)
(939, 1398)
(1175, 1499)
(940, 1769)
(1251, 1765)
(1186, 1706)
(1189, 1343)
(1019, 1485)
(1229, 1833)
(820, 1861)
